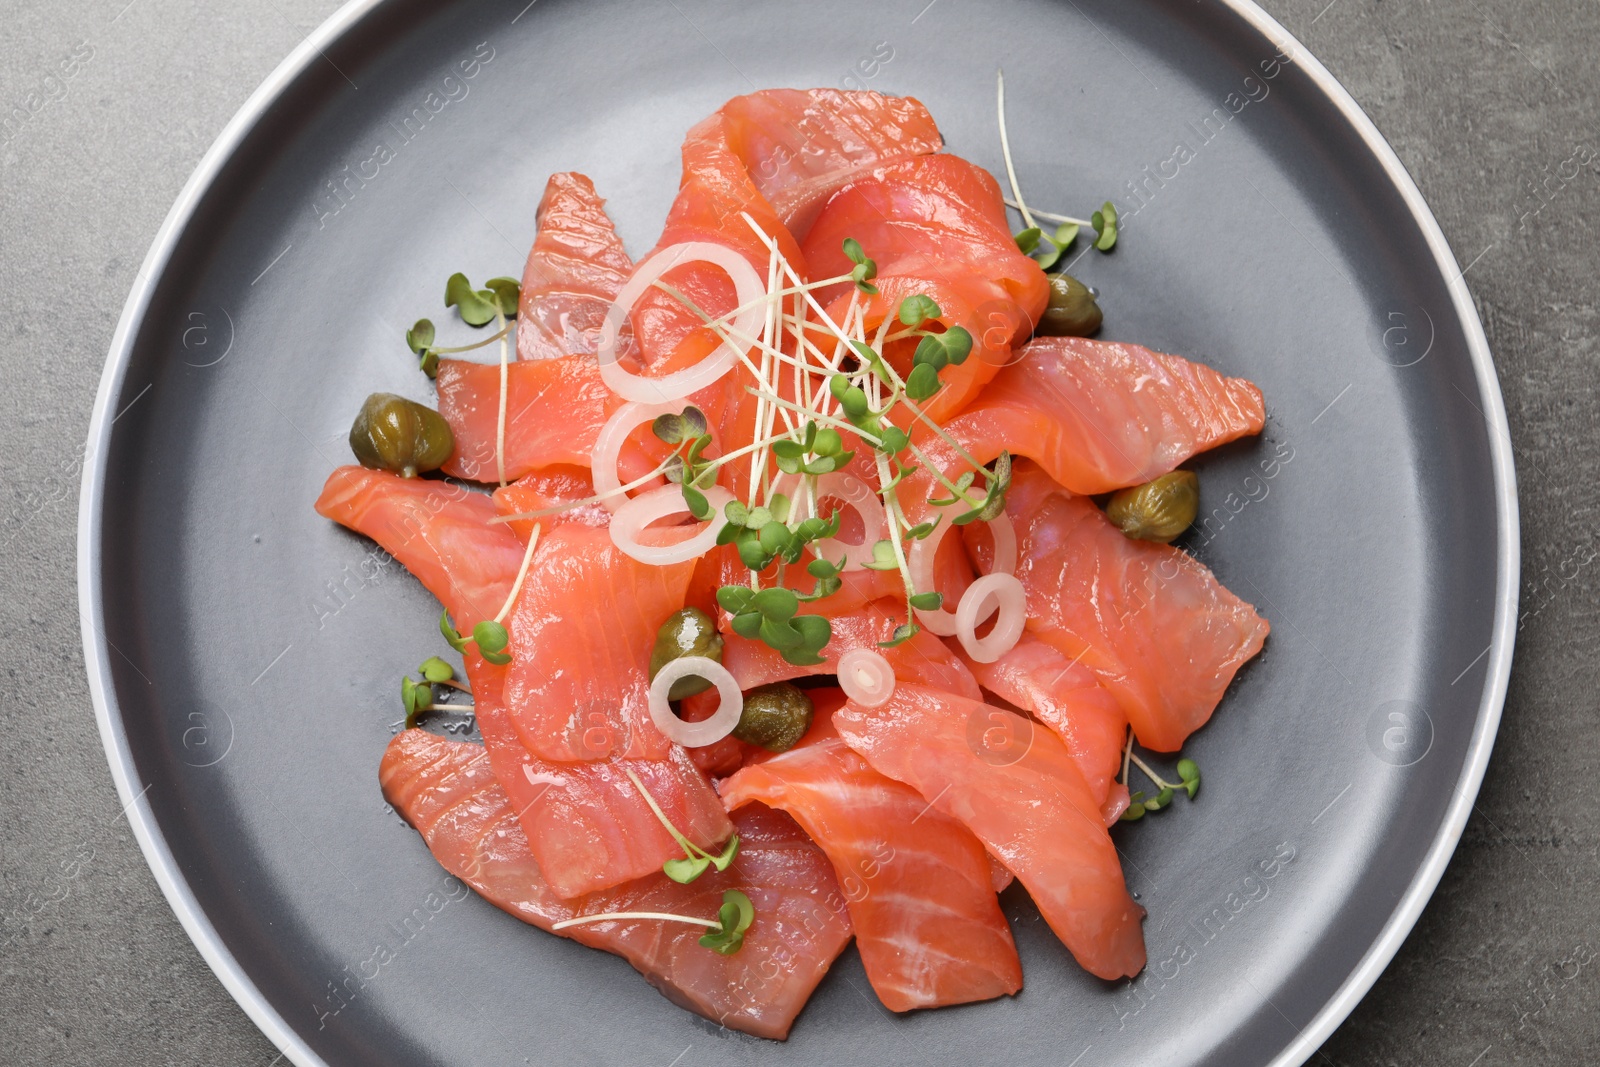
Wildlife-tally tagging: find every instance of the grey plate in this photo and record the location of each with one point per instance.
(244, 654)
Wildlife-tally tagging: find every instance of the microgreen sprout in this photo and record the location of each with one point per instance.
(1139, 804)
(1032, 240)
(417, 697)
(865, 269)
(695, 860)
(726, 930)
(490, 637)
(477, 307)
(687, 465)
(772, 616)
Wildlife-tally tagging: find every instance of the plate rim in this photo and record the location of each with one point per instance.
(228, 968)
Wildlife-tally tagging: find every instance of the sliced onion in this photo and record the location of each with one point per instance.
(747, 288)
(608, 448)
(866, 677)
(1006, 592)
(941, 620)
(659, 503)
(860, 498)
(707, 731)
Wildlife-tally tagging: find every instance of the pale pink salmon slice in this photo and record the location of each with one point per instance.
(445, 789)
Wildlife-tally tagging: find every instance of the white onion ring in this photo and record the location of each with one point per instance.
(866, 677)
(941, 620)
(748, 289)
(859, 497)
(608, 448)
(707, 731)
(1007, 593)
(629, 522)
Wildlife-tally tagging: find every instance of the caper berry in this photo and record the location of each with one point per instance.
(1159, 510)
(392, 433)
(775, 716)
(1072, 311)
(690, 632)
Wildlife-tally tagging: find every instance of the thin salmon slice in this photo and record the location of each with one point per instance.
(1100, 415)
(1067, 697)
(573, 273)
(581, 633)
(924, 658)
(1152, 622)
(589, 825)
(935, 225)
(554, 411)
(800, 145)
(447, 791)
(919, 885)
(442, 533)
(1027, 802)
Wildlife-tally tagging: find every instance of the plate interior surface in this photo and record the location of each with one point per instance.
(254, 650)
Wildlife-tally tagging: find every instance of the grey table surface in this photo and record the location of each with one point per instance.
(1487, 103)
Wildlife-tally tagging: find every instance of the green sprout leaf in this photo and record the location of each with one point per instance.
(722, 860)
(492, 639)
(420, 336)
(507, 294)
(734, 917)
(416, 698)
(1189, 774)
(435, 669)
(922, 382)
(697, 503)
(476, 306)
(450, 634)
(1028, 239)
(883, 558)
(669, 427)
(685, 869)
(1067, 233)
(1105, 226)
(901, 635)
(915, 310)
(926, 601)
(1136, 808)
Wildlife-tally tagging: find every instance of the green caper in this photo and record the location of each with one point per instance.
(1159, 510)
(392, 433)
(775, 716)
(690, 632)
(1071, 312)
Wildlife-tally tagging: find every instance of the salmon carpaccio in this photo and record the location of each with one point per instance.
(447, 791)
(1027, 802)
(918, 883)
(902, 821)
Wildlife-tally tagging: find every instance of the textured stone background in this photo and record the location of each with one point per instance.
(1481, 98)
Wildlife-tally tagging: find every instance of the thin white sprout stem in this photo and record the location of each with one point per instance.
(689, 848)
(1152, 775)
(500, 427)
(522, 572)
(1048, 215)
(1005, 148)
(597, 498)
(476, 344)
